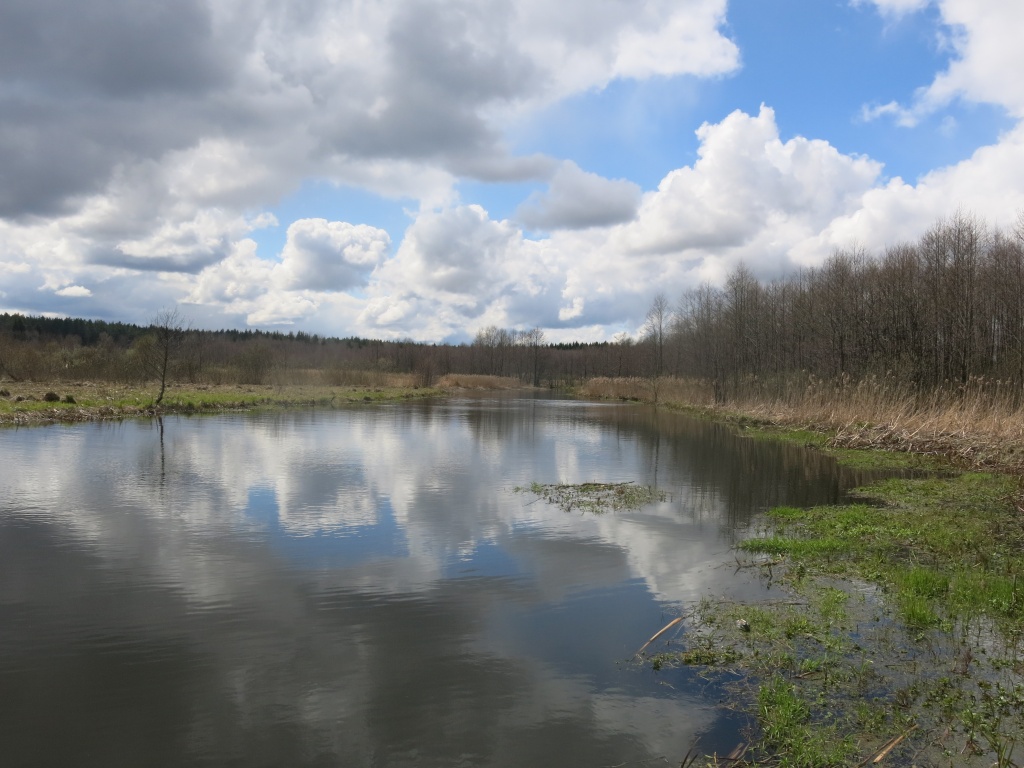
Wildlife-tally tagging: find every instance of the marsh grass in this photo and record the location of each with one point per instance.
(978, 424)
(478, 381)
(788, 730)
(901, 637)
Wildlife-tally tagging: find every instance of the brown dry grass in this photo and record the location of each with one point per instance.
(979, 424)
(478, 381)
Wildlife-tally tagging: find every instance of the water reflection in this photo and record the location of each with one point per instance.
(363, 587)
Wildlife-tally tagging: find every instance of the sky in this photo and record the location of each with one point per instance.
(427, 168)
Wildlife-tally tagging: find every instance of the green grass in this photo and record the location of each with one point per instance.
(789, 732)
(944, 549)
(902, 625)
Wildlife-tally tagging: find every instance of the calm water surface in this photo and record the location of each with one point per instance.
(365, 588)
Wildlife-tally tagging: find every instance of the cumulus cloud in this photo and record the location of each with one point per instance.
(576, 199)
(331, 255)
(898, 211)
(141, 146)
(749, 197)
(745, 180)
(146, 140)
(91, 91)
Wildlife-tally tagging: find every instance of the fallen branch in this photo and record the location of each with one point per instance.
(659, 633)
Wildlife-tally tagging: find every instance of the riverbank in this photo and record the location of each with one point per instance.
(978, 425)
(25, 403)
(897, 637)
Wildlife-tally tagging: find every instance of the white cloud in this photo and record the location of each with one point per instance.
(746, 180)
(987, 182)
(148, 142)
(576, 200)
(142, 170)
(749, 197)
(235, 280)
(984, 38)
(581, 44)
(323, 255)
(453, 253)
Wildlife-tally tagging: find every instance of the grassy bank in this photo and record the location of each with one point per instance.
(898, 634)
(41, 403)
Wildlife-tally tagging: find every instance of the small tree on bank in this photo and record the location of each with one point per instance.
(158, 348)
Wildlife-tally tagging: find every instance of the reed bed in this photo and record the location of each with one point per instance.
(356, 377)
(478, 381)
(978, 423)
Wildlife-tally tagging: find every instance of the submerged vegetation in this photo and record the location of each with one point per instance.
(596, 498)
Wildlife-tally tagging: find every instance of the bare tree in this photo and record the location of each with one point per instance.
(534, 341)
(160, 346)
(656, 326)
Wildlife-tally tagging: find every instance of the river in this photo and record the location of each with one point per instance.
(367, 586)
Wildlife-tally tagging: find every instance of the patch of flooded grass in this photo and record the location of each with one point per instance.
(788, 728)
(900, 637)
(596, 498)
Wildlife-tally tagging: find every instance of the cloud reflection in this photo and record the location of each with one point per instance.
(364, 585)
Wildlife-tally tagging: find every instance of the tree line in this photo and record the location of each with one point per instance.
(940, 311)
(937, 312)
(55, 349)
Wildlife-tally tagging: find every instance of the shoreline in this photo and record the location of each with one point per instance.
(967, 430)
(27, 403)
(917, 567)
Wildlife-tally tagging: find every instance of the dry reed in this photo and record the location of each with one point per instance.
(478, 381)
(979, 423)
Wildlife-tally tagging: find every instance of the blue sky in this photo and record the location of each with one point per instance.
(431, 167)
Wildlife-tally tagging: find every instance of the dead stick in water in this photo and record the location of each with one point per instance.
(659, 633)
(889, 746)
